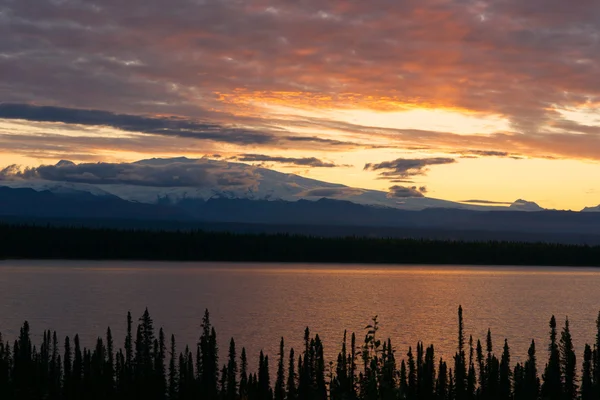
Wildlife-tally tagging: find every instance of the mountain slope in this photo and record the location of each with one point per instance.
(169, 181)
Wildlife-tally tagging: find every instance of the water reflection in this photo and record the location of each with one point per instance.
(257, 304)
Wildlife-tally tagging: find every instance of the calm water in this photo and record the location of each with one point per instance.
(257, 304)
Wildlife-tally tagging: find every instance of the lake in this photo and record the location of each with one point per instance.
(259, 303)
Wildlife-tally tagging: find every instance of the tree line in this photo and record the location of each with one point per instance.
(151, 366)
(59, 242)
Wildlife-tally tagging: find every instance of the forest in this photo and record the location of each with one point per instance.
(22, 241)
(151, 366)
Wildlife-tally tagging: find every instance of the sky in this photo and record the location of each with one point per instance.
(487, 100)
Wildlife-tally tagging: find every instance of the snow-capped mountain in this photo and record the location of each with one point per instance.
(169, 181)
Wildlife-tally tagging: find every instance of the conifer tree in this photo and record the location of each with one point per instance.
(243, 375)
(173, 370)
(264, 381)
(319, 370)
(568, 362)
(280, 379)
(109, 372)
(471, 374)
(596, 361)
(77, 379)
(460, 373)
(531, 381)
(441, 385)
(482, 392)
(231, 389)
(209, 356)
(160, 354)
(412, 375)
(67, 360)
(291, 378)
(403, 384)
(586, 374)
(519, 382)
(223, 382)
(505, 373)
(129, 345)
(492, 368)
(552, 387)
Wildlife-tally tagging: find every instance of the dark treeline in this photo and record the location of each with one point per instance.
(151, 366)
(21, 241)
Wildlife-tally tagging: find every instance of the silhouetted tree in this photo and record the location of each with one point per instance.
(209, 357)
(280, 379)
(232, 370)
(552, 387)
(173, 381)
(531, 381)
(505, 373)
(586, 375)
(568, 364)
(291, 378)
(243, 375)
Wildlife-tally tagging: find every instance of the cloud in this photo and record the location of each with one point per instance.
(305, 161)
(331, 192)
(405, 168)
(486, 202)
(166, 126)
(487, 153)
(397, 191)
(155, 173)
(520, 61)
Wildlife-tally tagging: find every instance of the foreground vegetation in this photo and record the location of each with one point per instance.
(149, 367)
(48, 242)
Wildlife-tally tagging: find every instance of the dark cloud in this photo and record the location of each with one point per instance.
(404, 168)
(515, 59)
(305, 161)
(397, 191)
(486, 153)
(332, 192)
(133, 123)
(473, 201)
(156, 173)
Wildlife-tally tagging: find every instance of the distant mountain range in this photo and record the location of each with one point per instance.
(235, 193)
(170, 181)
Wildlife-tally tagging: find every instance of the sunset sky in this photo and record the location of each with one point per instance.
(462, 99)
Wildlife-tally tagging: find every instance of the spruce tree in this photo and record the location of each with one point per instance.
(173, 384)
(160, 355)
(319, 370)
(403, 384)
(596, 361)
(552, 387)
(109, 372)
(264, 381)
(505, 373)
(586, 374)
(531, 381)
(492, 369)
(243, 375)
(280, 379)
(459, 361)
(291, 378)
(77, 379)
(232, 370)
(568, 364)
(441, 385)
(482, 392)
(209, 358)
(67, 379)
